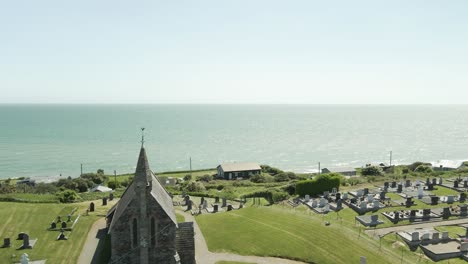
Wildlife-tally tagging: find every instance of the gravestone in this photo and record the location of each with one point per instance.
(24, 259)
(434, 200)
(446, 213)
(345, 196)
(53, 225)
(104, 201)
(322, 202)
(455, 184)
(420, 192)
(338, 196)
(464, 247)
(216, 199)
(415, 236)
(393, 184)
(363, 206)
(334, 190)
(376, 204)
(440, 181)
(385, 188)
(426, 213)
(465, 184)
(64, 224)
(91, 207)
(466, 232)
(386, 184)
(462, 197)
(370, 198)
(205, 204)
(435, 236)
(430, 186)
(68, 218)
(59, 219)
(409, 201)
(224, 203)
(307, 198)
(428, 181)
(26, 241)
(20, 236)
(202, 200)
(229, 207)
(413, 213)
(215, 208)
(366, 191)
(426, 236)
(450, 199)
(186, 199)
(445, 235)
(339, 204)
(463, 210)
(417, 183)
(408, 183)
(189, 205)
(359, 193)
(111, 196)
(374, 218)
(434, 181)
(326, 194)
(396, 216)
(62, 236)
(353, 200)
(326, 208)
(400, 188)
(314, 203)
(382, 196)
(6, 242)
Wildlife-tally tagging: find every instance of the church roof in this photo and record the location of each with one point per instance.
(144, 174)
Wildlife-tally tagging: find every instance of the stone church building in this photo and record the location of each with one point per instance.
(143, 226)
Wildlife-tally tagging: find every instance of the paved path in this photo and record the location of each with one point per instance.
(385, 231)
(202, 255)
(91, 243)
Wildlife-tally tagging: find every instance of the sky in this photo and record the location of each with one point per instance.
(234, 52)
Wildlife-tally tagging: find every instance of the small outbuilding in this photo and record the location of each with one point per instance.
(446, 165)
(346, 171)
(229, 171)
(101, 188)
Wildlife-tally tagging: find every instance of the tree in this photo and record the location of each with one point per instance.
(188, 177)
(258, 178)
(67, 196)
(423, 169)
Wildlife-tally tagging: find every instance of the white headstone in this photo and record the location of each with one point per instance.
(359, 192)
(363, 260)
(326, 208)
(307, 198)
(314, 203)
(344, 196)
(24, 258)
(363, 205)
(322, 202)
(420, 192)
(415, 236)
(426, 236)
(376, 204)
(334, 190)
(370, 198)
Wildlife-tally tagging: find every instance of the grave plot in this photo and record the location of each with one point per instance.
(457, 184)
(363, 201)
(67, 222)
(411, 215)
(369, 220)
(423, 236)
(320, 206)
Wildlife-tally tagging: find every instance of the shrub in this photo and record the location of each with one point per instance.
(372, 171)
(113, 185)
(423, 168)
(270, 170)
(258, 178)
(68, 196)
(318, 185)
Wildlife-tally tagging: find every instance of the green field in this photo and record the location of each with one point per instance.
(34, 219)
(276, 232)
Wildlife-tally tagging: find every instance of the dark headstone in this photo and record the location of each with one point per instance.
(434, 200)
(455, 184)
(189, 205)
(428, 181)
(366, 191)
(20, 236)
(224, 202)
(413, 213)
(440, 181)
(408, 183)
(26, 241)
(386, 184)
(229, 207)
(385, 188)
(62, 236)
(466, 233)
(446, 213)
(409, 201)
(430, 186)
(382, 196)
(91, 207)
(338, 196)
(202, 200)
(104, 201)
(426, 212)
(6, 242)
(462, 197)
(393, 184)
(339, 204)
(53, 225)
(434, 181)
(353, 200)
(111, 196)
(64, 224)
(465, 184)
(215, 208)
(216, 199)
(396, 216)
(400, 188)
(68, 218)
(463, 210)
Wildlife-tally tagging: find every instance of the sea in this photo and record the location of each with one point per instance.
(46, 142)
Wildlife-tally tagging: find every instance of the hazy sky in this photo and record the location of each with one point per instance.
(233, 51)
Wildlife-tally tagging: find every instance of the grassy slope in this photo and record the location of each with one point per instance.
(34, 219)
(276, 232)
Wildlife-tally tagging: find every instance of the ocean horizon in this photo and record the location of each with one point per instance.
(48, 140)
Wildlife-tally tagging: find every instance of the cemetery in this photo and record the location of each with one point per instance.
(204, 205)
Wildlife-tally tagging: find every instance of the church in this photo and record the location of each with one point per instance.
(143, 227)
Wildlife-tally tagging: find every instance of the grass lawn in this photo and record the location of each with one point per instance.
(34, 219)
(180, 218)
(276, 232)
(443, 191)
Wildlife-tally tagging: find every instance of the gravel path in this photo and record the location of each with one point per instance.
(91, 243)
(387, 230)
(203, 256)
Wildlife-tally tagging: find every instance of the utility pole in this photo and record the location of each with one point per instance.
(115, 178)
(190, 166)
(319, 171)
(390, 158)
(81, 169)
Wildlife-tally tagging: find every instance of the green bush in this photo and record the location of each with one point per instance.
(318, 185)
(372, 171)
(258, 178)
(67, 196)
(423, 168)
(270, 170)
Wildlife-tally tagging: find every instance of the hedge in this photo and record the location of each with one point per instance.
(318, 185)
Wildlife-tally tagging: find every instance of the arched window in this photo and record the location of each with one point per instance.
(134, 233)
(153, 232)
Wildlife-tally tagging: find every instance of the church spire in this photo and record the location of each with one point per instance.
(142, 136)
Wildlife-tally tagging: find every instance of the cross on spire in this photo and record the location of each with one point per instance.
(142, 136)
